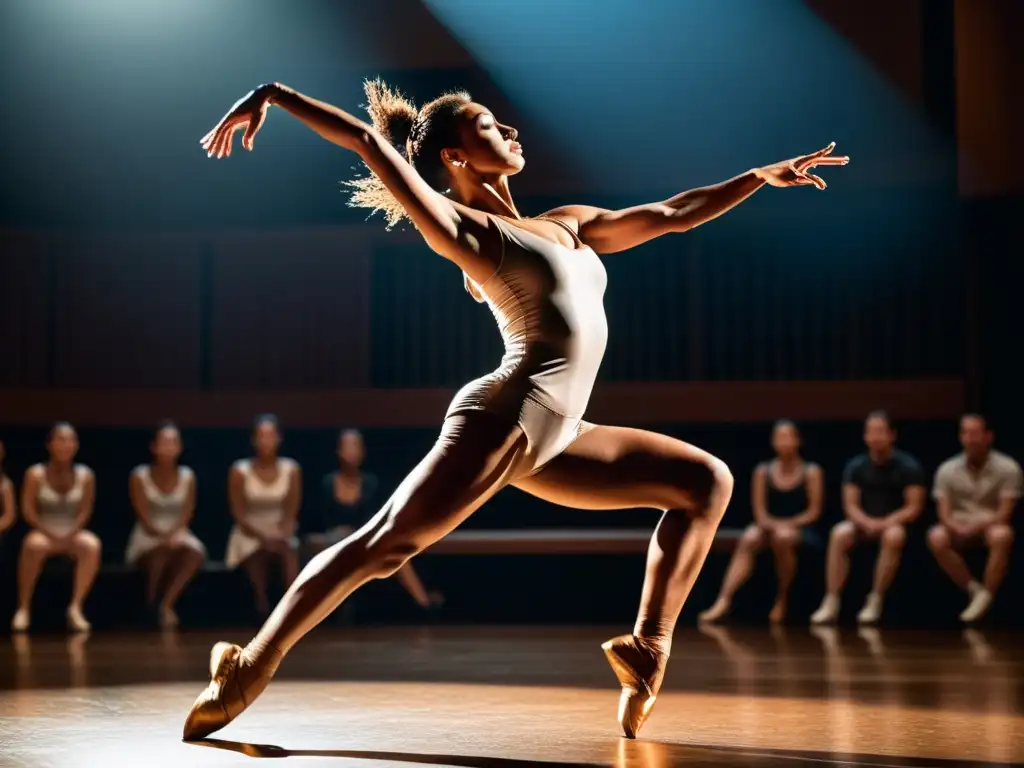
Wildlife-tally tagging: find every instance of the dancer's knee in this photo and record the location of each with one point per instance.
(713, 489)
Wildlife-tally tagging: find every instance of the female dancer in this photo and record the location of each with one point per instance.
(163, 495)
(787, 493)
(265, 492)
(349, 500)
(446, 166)
(56, 501)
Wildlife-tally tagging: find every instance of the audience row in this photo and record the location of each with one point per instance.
(883, 493)
(264, 498)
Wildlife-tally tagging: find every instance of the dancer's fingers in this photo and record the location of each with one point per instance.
(218, 142)
(226, 139)
(838, 160)
(252, 129)
(817, 181)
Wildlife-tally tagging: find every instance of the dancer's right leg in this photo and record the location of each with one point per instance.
(476, 455)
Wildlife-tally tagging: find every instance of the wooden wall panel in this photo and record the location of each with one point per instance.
(634, 404)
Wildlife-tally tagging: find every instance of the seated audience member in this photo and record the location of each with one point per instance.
(350, 500)
(883, 492)
(975, 496)
(8, 512)
(786, 497)
(264, 492)
(163, 496)
(57, 502)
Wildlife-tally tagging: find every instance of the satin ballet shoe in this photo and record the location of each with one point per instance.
(640, 670)
(225, 698)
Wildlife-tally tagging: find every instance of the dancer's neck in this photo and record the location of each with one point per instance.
(486, 194)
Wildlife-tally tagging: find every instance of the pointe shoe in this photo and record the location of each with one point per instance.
(223, 700)
(640, 670)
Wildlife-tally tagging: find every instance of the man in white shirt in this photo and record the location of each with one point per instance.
(975, 494)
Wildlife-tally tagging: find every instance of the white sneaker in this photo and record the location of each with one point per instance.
(828, 613)
(21, 621)
(76, 621)
(981, 601)
(872, 610)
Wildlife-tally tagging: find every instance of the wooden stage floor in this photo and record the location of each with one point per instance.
(510, 697)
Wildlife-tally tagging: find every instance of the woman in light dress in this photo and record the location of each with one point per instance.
(57, 503)
(163, 496)
(265, 492)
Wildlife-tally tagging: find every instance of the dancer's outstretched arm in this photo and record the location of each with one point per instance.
(612, 231)
(452, 230)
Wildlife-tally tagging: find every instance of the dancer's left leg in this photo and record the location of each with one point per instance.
(619, 468)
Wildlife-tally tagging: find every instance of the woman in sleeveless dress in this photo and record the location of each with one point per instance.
(349, 499)
(787, 495)
(8, 512)
(264, 492)
(57, 502)
(163, 496)
(446, 166)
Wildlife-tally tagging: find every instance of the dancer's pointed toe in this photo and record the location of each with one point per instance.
(222, 700)
(639, 670)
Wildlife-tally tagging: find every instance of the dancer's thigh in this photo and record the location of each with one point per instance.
(622, 468)
(473, 458)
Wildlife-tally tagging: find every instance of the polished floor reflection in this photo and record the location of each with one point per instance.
(509, 697)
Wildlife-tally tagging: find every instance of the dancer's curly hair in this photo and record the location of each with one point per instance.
(419, 134)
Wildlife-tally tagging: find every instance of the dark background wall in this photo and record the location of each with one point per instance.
(139, 280)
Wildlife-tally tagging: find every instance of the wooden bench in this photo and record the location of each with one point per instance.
(560, 541)
(536, 541)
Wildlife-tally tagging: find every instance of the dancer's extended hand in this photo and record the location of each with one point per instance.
(249, 112)
(796, 172)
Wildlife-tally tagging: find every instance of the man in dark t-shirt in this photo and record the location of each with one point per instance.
(883, 492)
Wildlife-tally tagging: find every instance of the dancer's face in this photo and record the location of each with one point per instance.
(487, 147)
(63, 444)
(266, 439)
(167, 446)
(351, 449)
(785, 440)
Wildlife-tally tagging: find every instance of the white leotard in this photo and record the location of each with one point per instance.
(548, 301)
